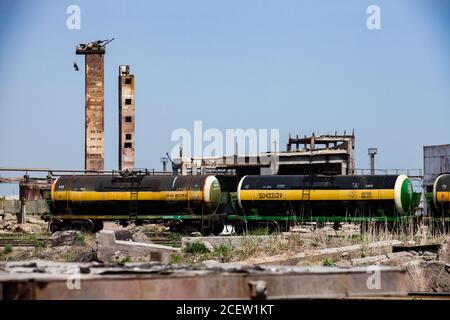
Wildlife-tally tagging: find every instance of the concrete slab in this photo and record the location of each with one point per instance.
(318, 255)
(224, 281)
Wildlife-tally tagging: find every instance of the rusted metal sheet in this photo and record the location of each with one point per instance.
(145, 281)
(126, 119)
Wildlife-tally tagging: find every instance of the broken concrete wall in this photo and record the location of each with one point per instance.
(109, 249)
(10, 208)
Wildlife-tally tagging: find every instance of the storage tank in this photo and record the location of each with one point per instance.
(96, 195)
(326, 195)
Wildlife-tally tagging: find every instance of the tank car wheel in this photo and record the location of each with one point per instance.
(393, 227)
(138, 222)
(86, 226)
(239, 228)
(320, 225)
(217, 227)
(55, 226)
(277, 227)
(98, 225)
(364, 227)
(439, 227)
(124, 223)
(336, 226)
(380, 226)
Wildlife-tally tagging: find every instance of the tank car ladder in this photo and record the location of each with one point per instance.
(306, 194)
(306, 197)
(134, 197)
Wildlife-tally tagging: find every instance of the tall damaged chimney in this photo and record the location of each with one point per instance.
(94, 105)
(126, 119)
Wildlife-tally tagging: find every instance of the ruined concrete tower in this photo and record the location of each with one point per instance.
(94, 110)
(126, 119)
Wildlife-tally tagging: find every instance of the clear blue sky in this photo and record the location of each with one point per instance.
(299, 66)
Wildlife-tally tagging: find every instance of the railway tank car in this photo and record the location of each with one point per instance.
(441, 196)
(97, 198)
(329, 197)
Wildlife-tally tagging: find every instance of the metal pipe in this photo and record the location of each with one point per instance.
(53, 171)
(372, 164)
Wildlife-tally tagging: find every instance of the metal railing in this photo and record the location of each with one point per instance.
(408, 172)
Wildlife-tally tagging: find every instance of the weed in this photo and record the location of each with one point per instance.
(174, 236)
(8, 249)
(262, 231)
(40, 244)
(176, 258)
(329, 263)
(223, 252)
(196, 247)
(71, 257)
(79, 237)
(126, 259)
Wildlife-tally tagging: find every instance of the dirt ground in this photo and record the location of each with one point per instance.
(426, 271)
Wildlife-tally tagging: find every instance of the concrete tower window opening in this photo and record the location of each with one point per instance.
(128, 81)
(128, 101)
(128, 145)
(128, 136)
(128, 119)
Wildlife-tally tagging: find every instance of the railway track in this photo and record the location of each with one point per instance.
(165, 242)
(165, 239)
(430, 295)
(16, 240)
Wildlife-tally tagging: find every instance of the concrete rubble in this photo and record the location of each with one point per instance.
(140, 236)
(66, 238)
(232, 241)
(444, 252)
(428, 276)
(111, 249)
(319, 255)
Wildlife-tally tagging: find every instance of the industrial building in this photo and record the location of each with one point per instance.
(436, 161)
(323, 154)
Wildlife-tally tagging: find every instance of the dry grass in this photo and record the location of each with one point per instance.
(294, 242)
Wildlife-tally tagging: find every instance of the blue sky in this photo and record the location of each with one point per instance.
(299, 66)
